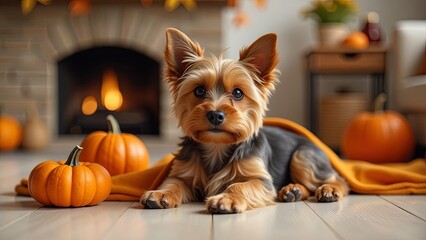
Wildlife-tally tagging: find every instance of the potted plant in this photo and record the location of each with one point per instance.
(331, 16)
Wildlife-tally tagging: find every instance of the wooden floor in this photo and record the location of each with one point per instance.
(356, 217)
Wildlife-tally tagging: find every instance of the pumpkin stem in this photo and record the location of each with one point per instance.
(379, 103)
(73, 157)
(113, 126)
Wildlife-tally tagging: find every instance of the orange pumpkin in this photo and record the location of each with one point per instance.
(356, 40)
(10, 133)
(69, 184)
(379, 137)
(117, 152)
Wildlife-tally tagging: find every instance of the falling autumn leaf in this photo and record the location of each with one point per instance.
(232, 3)
(240, 18)
(260, 3)
(171, 5)
(28, 5)
(146, 3)
(79, 7)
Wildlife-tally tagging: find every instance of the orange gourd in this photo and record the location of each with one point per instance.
(10, 133)
(69, 184)
(117, 152)
(35, 135)
(356, 40)
(379, 137)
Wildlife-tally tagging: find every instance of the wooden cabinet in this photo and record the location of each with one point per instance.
(344, 61)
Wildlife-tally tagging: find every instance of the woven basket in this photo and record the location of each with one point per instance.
(335, 114)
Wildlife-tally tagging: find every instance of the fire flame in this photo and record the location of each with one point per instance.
(111, 96)
(89, 106)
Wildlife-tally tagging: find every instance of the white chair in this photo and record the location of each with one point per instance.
(409, 89)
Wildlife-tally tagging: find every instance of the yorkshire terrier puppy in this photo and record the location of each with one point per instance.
(226, 156)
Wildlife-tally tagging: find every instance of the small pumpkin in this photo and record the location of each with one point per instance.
(117, 152)
(356, 40)
(379, 137)
(10, 133)
(69, 184)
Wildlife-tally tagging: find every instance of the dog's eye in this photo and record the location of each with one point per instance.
(200, 91)
(237, 94)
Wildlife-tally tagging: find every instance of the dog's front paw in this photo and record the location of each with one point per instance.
(293, 193)
(159, 199)
(226, 203)
(290, 193)
(328, 193)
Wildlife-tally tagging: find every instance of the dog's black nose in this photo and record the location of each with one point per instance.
(216, 117)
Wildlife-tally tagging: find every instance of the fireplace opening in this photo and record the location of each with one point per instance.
(99, 81)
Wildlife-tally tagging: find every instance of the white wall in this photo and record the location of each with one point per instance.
(296, 36)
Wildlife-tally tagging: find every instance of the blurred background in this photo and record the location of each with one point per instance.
(73, 62)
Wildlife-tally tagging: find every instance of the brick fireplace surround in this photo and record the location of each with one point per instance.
(30, 47)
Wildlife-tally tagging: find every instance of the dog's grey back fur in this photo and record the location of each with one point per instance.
(279, 147)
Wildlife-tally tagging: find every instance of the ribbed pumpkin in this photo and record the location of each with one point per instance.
(10, 133)
(69, 184)
(379, 137)
(117, 152)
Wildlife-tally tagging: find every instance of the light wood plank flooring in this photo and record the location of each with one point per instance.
(356, 217)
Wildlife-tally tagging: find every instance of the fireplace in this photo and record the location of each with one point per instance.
(36, 47)
(99, 81)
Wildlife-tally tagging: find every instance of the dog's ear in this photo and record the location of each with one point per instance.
(179, 52)
(262, 55)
